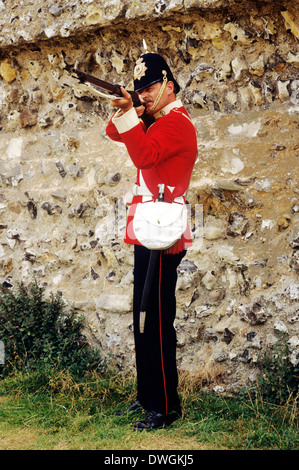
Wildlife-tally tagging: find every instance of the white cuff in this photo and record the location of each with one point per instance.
(126, 121)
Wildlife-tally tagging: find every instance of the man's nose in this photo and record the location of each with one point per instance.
(142, 95)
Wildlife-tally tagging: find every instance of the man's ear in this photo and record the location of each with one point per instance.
(170, 87)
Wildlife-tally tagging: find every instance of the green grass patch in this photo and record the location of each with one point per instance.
(52, 409)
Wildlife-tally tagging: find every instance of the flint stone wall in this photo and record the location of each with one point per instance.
(63, 182)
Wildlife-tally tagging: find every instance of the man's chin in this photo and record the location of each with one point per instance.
(148, 109)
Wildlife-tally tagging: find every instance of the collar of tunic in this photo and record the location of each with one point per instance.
(168, 108)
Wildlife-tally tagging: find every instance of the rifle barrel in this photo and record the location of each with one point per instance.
(114, 90)
(85, 77)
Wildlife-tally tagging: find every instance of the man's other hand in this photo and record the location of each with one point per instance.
(125, 103)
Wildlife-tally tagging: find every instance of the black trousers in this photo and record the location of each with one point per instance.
(155, 348)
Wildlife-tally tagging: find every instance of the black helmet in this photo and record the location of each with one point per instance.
(149, 69)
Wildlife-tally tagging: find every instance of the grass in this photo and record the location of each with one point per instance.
(51, 410)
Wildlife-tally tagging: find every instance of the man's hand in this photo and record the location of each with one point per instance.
(140, 110)
(125, 103)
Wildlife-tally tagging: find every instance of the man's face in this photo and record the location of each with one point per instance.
(148, 95)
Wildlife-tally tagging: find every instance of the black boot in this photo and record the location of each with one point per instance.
(155, 420)
(133, 407)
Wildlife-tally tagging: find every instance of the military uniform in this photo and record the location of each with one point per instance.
(165, 152)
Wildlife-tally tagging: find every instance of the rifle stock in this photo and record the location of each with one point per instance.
(113, 90)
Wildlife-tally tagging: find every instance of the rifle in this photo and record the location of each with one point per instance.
(114, 91)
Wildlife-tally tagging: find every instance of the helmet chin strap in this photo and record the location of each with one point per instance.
(160, 91)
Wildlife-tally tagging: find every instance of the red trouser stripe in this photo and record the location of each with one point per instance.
(160, 323)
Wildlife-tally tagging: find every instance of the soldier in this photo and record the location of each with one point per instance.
(165, 152)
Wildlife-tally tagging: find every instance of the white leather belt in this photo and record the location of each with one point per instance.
(141, 191)
(144, 191)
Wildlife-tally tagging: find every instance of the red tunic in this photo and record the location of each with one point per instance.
(167, 149)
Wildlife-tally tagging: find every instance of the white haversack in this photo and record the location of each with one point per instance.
(158, 225)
